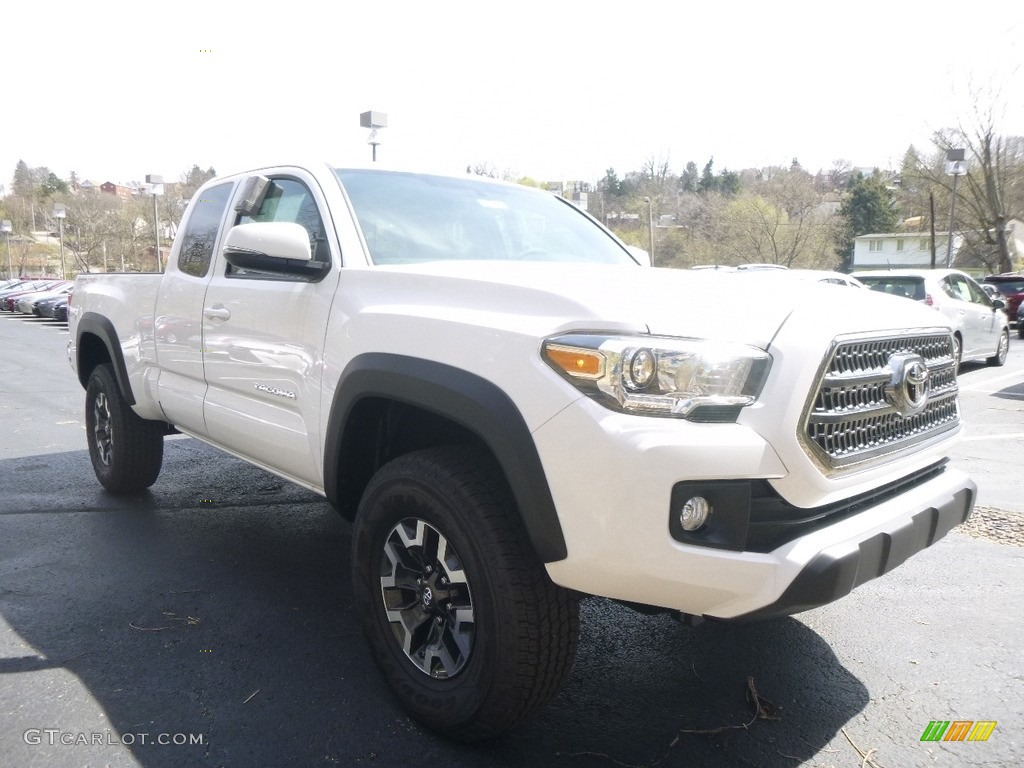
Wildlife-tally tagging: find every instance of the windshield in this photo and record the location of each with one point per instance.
(1008, 286)
(910, 287)
(410, 218)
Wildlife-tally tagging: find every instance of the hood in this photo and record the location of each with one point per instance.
(748, 307)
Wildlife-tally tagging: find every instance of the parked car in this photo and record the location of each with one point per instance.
(826, 276)
(1020, 318)
(9, 297)
(60, 311)
(1011, 286)
(981, 330)
(993, 292)
(26, 303)
(43, 307)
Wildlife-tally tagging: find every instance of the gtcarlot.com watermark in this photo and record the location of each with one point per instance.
(55, 736)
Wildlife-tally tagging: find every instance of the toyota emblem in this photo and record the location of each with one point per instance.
(910, 384)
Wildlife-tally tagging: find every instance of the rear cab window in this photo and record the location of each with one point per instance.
(200, 235)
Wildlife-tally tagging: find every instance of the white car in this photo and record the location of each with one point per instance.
(28, 301)
(981, 329)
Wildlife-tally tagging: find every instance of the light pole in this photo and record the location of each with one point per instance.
(156, 186)
(373, 121)
(60, 213)
(956, 166)
(6, 228)
(650, 226)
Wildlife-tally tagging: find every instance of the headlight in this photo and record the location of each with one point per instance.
(662, 376)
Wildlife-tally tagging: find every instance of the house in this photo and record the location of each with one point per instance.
(913, 249)
(898, 250)
(111, 188)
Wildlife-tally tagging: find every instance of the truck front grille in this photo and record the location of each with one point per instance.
(868, 403)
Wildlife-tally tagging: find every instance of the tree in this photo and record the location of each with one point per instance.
(728, 183)
(688, 178)
(91, 228)
(23, 184)
(656, 170)
(995, 166)
(707, 181)
(52, 185)
(867, 207)
(611, 183)
(779, 220)
(482, 169)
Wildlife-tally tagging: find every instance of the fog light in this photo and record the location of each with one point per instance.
(695, 513)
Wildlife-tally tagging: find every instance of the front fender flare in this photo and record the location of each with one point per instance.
(466, 399)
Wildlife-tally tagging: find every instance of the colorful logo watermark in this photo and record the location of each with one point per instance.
(958, 730)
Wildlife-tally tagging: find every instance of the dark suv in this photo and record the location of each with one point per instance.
(1011, 285)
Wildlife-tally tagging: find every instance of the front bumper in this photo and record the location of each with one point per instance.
(836, 571)
(612, 483)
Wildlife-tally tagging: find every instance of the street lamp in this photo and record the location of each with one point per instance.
(650, 226)
(156, 187)
(373, 121)
(60, 213)
(5, 227)
(956, 166)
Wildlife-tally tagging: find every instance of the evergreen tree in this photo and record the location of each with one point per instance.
(52, 185)
(708, 182)
(612, 184)
(728, 183)
(23, 185)
(867, 208)
(688, 179)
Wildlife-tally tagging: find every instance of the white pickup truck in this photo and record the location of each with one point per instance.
(514, 412)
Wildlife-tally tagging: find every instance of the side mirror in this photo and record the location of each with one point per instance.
(998, 304)
(275, 247)
(643, 258)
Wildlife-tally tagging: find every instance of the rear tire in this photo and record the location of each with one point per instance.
(126, 451)
(999, 358)
(463, 621)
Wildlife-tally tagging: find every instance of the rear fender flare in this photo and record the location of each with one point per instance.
(93, 324)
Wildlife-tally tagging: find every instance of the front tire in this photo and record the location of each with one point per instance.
(126, 451)
(999, 358)
(467, 628)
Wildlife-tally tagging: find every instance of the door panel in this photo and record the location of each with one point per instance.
(263, 343)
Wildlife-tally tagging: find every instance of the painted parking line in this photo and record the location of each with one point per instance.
(986, 386)
(1000, 436)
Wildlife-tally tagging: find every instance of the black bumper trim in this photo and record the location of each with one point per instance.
(828, 577)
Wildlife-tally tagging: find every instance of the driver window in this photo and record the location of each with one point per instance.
(290, 201)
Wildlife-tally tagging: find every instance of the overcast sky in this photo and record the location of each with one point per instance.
(555, 90)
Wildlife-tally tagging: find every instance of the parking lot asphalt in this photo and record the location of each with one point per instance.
(207, 622)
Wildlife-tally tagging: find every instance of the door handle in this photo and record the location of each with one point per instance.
(217, 313)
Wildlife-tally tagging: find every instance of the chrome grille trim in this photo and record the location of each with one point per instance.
(848, 423)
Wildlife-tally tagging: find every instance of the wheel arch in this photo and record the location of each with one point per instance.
(387, 405)
(97, 343)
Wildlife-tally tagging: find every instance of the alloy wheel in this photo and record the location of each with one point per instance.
(427, 599)
(102, 432)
